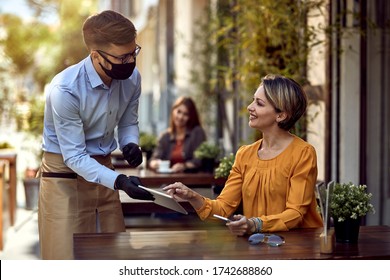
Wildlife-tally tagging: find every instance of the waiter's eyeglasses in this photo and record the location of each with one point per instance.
(273, 240)
(123, 58)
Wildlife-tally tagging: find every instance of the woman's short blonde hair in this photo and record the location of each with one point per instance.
(287, 96)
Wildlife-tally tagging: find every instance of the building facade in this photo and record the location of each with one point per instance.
(350, 75)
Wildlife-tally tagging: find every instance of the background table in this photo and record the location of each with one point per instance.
(11, 157)
(151, 178)
(4, 208)
(218, 243)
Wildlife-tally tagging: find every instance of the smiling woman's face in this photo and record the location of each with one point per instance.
(261, 113)
(180, 116)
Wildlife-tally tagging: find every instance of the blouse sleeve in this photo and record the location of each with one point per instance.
(229, 199)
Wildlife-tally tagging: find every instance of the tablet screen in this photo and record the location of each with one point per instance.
(165, 200)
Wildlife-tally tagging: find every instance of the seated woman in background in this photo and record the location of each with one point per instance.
(274, 177)
(181, 139)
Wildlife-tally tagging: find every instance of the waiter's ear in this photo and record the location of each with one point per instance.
(94, 54)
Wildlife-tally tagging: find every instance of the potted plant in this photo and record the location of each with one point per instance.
(208, 153)
(147, 142)
(348, 203)
(223, 170)
(224, 167)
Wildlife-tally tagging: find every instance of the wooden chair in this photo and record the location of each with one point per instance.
(4, 205)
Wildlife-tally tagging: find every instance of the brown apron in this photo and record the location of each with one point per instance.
(69, 204)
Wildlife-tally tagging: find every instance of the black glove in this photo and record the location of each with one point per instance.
(133, 154)
(130, 186)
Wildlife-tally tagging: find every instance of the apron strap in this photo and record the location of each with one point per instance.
(59, 175)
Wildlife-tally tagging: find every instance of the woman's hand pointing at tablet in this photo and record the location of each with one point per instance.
(180, 191)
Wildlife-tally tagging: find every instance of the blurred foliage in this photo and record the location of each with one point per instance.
(72, 15)
(243, 40)
(35, 51)
(5, 145)
(44, 7)
(29, 115)
(224, 167)
(35, 116)
(147, 141)
(207, 150)
(22, 41)
(47, 48)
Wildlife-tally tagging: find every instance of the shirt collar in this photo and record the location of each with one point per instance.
(93, 76)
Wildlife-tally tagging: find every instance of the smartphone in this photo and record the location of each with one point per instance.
(222, 218)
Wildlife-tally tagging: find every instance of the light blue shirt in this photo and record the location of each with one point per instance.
(81, 115)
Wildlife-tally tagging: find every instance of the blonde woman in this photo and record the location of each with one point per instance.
(274, 177)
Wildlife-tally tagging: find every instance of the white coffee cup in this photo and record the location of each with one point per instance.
(164, 165)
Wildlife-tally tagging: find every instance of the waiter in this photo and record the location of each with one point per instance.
(84, 105)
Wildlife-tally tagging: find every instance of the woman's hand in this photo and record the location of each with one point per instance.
(240, 225)
(154, 164)
(181, 191)
(178, 167)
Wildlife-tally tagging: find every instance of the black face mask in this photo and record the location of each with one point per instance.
(119, 71)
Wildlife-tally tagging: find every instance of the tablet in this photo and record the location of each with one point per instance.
(165, 200)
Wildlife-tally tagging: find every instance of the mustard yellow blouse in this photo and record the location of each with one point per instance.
(280, 191)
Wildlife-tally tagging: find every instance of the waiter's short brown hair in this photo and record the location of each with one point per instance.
(108, 27)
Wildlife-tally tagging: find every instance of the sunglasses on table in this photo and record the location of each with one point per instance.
(272, 240)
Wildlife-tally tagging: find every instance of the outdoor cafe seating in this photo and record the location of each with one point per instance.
(155, 232)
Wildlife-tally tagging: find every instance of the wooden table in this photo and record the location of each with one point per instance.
(10, 157)
(151, 178)
(218, 243)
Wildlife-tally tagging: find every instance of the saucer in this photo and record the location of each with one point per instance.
(165, 171)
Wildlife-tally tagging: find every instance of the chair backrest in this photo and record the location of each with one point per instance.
(3, 210)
